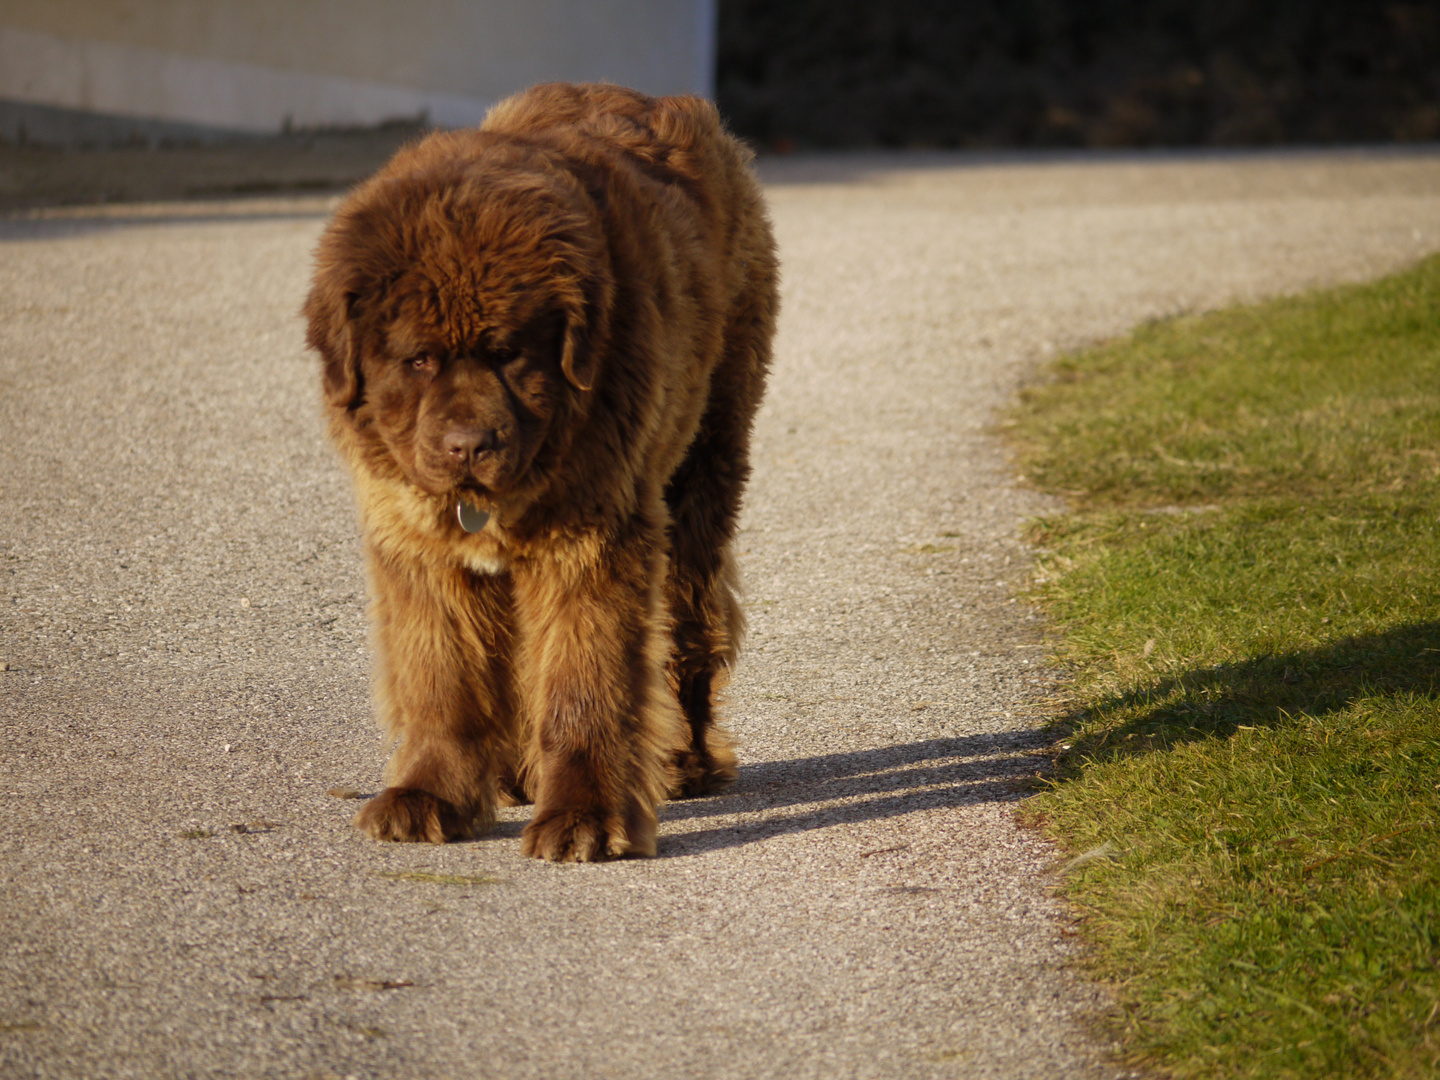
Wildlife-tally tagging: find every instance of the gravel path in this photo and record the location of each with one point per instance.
(181, 623)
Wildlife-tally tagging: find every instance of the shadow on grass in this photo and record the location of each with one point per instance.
(1264, 691)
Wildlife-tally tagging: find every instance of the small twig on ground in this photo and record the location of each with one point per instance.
(883, 850)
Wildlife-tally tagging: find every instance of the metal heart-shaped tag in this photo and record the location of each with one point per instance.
(471, 519)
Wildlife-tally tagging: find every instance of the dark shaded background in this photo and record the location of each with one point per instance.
(1072, 73)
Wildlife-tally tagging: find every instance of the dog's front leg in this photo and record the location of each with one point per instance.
(442, 638)
(605, 726)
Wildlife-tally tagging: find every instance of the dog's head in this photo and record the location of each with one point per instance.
(458, 305)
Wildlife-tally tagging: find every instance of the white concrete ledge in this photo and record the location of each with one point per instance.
(132, 81)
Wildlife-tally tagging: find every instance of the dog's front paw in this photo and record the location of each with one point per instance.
(410, 815)
(582, 836)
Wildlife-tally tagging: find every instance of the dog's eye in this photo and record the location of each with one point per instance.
(424, 365)
(504, 355)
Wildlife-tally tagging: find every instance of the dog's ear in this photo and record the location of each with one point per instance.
(585, 309)
(331, 333)
(577, 355)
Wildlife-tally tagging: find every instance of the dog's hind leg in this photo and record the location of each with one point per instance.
(704, 498)
(708, 626)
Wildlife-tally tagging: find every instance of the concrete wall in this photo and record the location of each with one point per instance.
(269, 65)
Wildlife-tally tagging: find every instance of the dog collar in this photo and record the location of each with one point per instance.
(471, 519)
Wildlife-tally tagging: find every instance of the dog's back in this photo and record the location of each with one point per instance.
(670, 133)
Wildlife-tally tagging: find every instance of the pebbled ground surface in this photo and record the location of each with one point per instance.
(184, 680)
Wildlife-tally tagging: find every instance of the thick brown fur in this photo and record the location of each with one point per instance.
(563, 317)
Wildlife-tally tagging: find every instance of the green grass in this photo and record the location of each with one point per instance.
(1247, 589)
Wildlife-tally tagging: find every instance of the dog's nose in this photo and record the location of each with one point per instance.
(463, 443)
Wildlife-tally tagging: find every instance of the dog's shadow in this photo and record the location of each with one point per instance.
(776, 797)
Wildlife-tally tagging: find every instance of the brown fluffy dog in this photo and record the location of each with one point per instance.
(561, 320)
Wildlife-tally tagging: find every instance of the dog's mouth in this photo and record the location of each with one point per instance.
(479, 478)
(477, 495)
